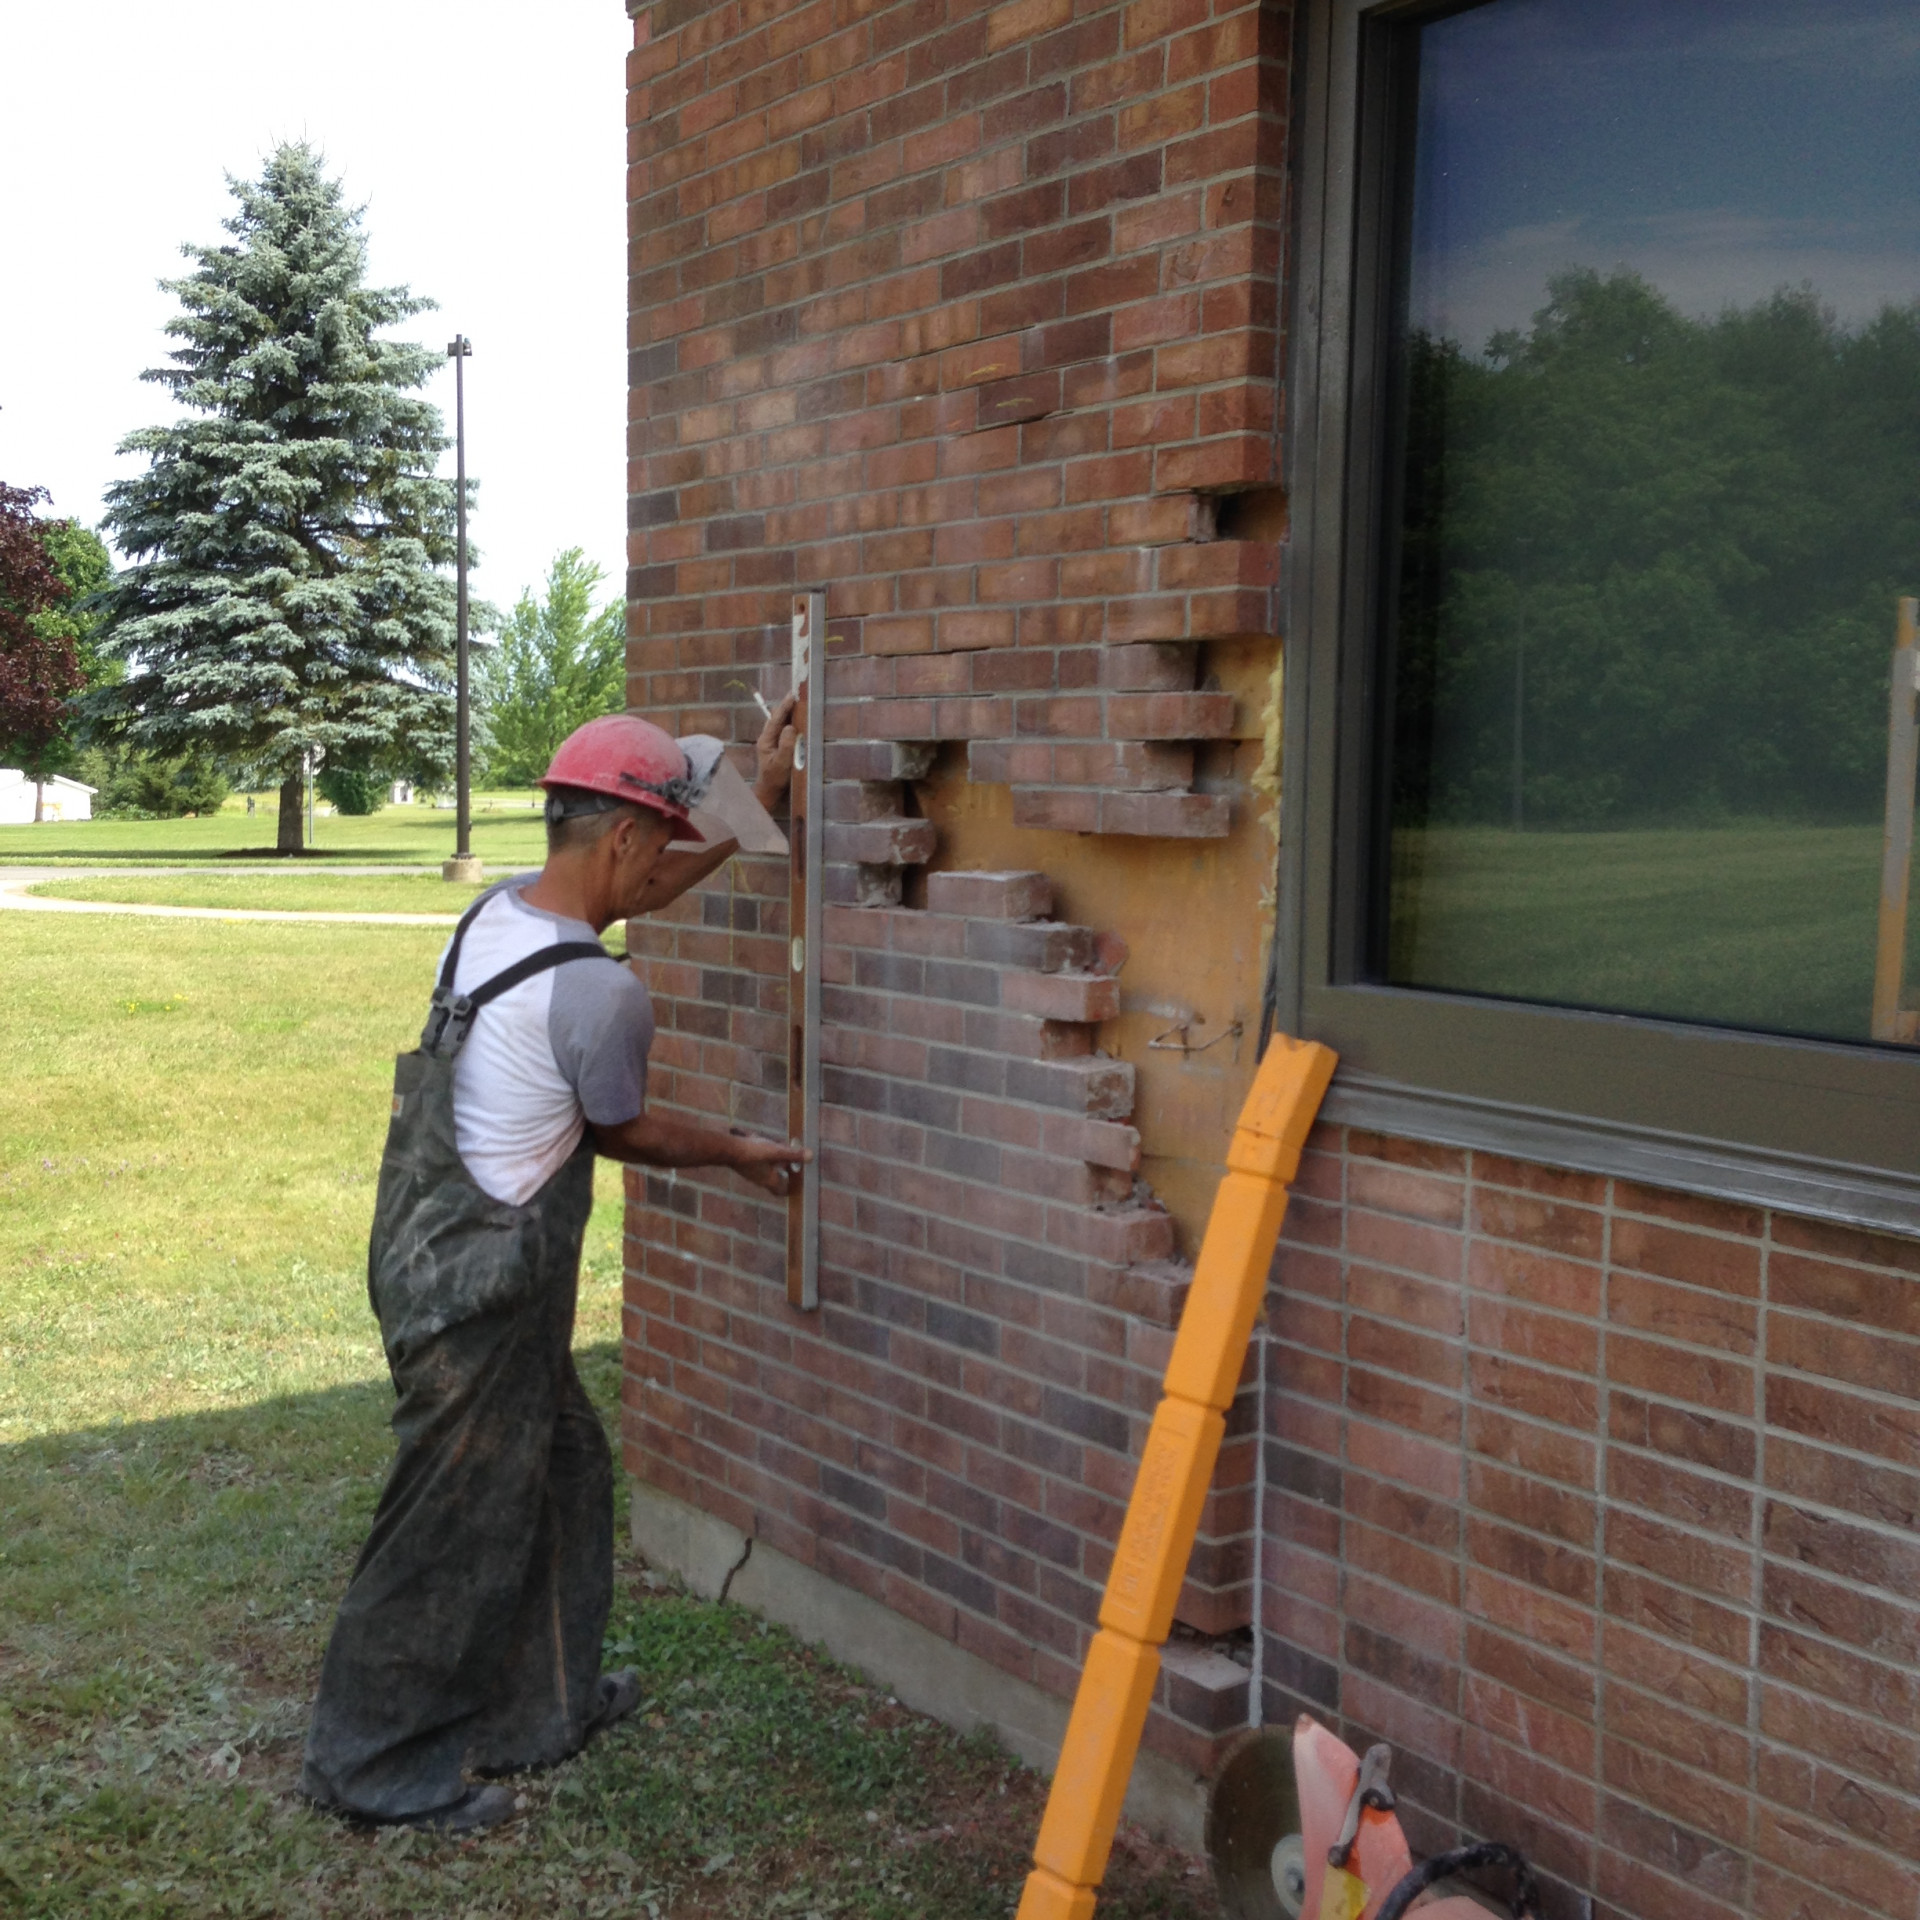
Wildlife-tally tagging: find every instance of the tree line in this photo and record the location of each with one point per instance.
(1649, 563)
(285, 598)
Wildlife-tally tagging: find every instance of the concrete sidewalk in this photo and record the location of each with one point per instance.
(15, 881)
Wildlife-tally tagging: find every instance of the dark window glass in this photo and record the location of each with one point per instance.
(1656, 487)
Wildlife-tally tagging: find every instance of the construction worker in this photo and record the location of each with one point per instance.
(469, 1639)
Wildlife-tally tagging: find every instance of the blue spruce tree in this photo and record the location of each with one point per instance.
(285, 540)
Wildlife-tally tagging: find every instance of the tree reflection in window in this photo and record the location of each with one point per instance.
(1651, 536)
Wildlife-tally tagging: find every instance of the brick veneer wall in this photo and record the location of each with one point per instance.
(1596, 1501)
(953, 1432)
(968, 313)
(971, 311)
(1599, 1502)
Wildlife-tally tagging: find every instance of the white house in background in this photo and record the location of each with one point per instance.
(61, 798)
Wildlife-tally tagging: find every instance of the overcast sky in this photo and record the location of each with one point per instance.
(486, 143)
(1722, 148)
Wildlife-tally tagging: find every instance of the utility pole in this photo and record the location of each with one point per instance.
(463, 866)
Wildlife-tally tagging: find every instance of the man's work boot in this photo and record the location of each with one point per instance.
(619, 1695)
(477, 1808)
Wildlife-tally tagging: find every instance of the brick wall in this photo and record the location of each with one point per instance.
(968, 314)
(1596, 1501)
(953, 1432)
(971, 312)
(1599, 1502)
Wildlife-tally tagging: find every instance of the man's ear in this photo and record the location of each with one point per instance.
(624, 835)
(640, 832)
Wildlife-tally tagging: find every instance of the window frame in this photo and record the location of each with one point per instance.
(1820, 1127)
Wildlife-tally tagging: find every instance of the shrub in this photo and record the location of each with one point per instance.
(352, 791)
(146, 787)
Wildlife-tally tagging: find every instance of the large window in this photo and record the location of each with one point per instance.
(1608, 460)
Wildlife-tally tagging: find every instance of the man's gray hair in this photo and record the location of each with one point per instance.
(577, 816)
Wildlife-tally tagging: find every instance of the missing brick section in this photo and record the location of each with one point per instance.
(874, 824)
(1057, 984)
(1252, 513)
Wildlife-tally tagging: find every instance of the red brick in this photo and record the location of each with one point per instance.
(1399, 1350)
(1535, 1279)
(1828, 1240)
(1426, 1155)
(1732, 1266)
(1887, 1301)
(1835, 1861)
(899, 634)
(884, 842)
(1780, 1896)
(995, 896)
(1647, 1724)
(1417, 1248)
(1428, 1304)
(1554, 1227)
(1628, 1886)
(1546, 1452)
(1100, 1142)
(1861, 1359)
(1697, 1316)
(1680, 1373)
(1062, 996)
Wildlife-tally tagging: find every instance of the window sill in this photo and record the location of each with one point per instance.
(1822, 1189)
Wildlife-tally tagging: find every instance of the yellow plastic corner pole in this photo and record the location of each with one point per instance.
(1176, 1467)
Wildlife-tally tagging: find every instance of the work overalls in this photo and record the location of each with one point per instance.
(471, 1632)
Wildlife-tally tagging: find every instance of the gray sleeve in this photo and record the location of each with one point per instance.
(600, 1025)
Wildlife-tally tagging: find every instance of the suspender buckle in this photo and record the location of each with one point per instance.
(449, 1015)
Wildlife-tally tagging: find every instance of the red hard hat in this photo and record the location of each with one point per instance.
(629, 759)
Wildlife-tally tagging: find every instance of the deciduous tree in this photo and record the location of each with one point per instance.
(558, 664)
(39, 664)
(1650, 561)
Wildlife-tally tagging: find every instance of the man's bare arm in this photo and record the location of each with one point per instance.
(663, 1140)
(683, 868)
(773, 762)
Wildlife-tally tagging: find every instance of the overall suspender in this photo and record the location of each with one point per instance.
(450, 1014)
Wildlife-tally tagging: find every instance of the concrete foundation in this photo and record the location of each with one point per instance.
(926, 1673)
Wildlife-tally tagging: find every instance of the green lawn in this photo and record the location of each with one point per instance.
(506, 832)
(192, 1438)
(1768, 926)
(298, 891)
(187, 1150)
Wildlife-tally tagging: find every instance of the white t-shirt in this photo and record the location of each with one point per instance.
(567, 1047)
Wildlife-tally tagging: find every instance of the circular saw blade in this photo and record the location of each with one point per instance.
(1253, 1830)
